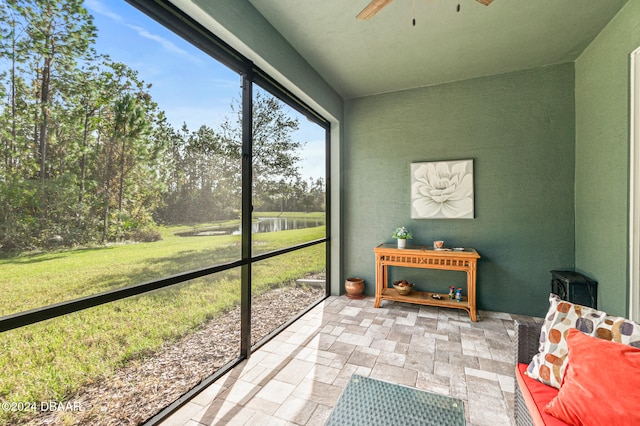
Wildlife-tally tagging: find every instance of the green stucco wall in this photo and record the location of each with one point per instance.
(519, 130)
(602, 158)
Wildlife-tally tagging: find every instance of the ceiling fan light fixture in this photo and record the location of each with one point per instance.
(376, 6)
(372, 8)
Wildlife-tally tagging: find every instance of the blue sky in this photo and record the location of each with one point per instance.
(187, 84)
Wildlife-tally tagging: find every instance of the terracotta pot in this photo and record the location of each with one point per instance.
(354, 288)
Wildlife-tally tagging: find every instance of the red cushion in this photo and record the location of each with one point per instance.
(601, 383)
(536, 396)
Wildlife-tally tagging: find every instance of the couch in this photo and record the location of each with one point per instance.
(527, 340)
(592, 372)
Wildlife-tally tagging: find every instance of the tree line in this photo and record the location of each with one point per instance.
(88, 157)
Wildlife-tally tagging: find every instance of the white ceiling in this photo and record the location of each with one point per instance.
(387, 53)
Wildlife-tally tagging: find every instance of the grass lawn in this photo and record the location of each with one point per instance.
(52, 359)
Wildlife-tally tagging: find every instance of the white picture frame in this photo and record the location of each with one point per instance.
(442, 190)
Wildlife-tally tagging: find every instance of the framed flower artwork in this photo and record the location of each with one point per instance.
(442, 190)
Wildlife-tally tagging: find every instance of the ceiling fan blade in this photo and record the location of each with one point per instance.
(485, 2)
(372, 8)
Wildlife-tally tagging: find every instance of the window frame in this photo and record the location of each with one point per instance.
(186, 27)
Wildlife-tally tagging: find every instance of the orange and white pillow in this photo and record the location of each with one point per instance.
(549, 364)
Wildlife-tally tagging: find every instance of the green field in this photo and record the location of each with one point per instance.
(52, 359)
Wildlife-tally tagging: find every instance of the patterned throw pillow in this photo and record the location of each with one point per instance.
(549, 364)
(619, 330)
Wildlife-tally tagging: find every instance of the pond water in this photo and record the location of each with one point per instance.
(275, 224)
(263, 224)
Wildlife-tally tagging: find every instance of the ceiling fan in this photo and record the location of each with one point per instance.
(377, 5)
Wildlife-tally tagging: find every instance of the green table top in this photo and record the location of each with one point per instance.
(369, 402)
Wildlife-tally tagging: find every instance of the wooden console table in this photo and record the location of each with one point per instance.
(420, 257)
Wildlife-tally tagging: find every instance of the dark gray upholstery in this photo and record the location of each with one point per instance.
(526, 343)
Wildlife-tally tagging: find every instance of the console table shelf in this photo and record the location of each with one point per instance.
(421, 257)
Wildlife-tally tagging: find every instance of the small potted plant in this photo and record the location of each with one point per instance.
(402, 235)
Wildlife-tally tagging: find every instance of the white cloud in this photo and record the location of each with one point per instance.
(227, 83)
(313, 159)
(98, 7)
(166, 44)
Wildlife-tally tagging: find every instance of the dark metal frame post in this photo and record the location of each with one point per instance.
(327, 207)
(247, 211)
